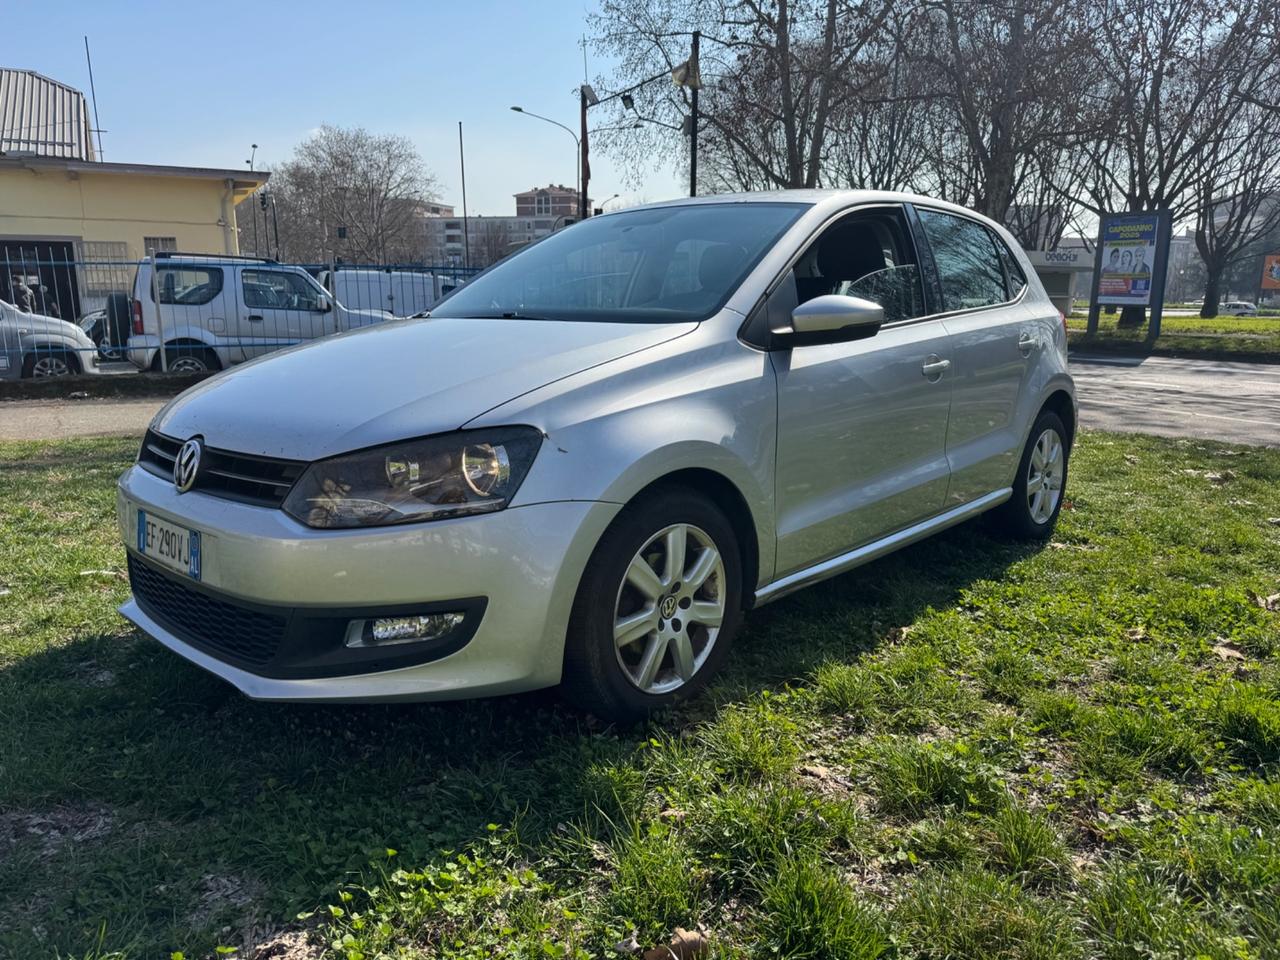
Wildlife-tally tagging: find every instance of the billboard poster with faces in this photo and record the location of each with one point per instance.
(1271, 271)
(1129, 259)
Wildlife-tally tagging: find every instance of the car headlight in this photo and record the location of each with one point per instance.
(450, 475)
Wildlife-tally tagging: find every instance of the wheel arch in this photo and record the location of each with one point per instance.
(724, 493)
(187, 341)
(1063, 404)
(35, 348)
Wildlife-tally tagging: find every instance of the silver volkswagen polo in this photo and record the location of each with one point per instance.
(587, 464)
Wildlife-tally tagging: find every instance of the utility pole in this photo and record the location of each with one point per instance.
(466, 231)
(586, 168)
(693, 118)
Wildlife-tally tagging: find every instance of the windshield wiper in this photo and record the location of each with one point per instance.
(506, 315)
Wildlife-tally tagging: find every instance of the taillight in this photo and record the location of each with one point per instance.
(137, 316)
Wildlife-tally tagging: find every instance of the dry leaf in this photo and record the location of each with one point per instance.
(1136, 633)
(1220, 478)
(1130, 458)
(685, 945)
(1271, 603)
(1227, 651)
(899, 633)
(629, 945)
(673, 814)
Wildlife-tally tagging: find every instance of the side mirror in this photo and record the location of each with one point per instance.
(833, 318)
(324, 304)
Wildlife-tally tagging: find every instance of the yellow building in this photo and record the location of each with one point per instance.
(71, 224)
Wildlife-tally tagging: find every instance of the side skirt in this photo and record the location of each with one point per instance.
(878, 548)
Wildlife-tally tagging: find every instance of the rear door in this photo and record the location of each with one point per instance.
(995, 340)
(861, 448)
(194, 302)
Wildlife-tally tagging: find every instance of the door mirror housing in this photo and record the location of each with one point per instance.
(833, 318)
(324, 304)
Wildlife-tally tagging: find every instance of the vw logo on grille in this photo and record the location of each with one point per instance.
(187, 465)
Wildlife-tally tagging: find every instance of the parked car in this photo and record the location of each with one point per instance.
(218, 311)
(1238, 308)
(399, 293)
(592, 460)
(32, 345)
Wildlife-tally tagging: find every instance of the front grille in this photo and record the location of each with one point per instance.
(261, 481)
(219, 625)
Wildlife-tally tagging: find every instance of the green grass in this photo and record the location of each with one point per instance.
(1243, 338)
(970, 749)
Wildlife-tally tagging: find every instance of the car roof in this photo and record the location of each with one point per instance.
(833, 199)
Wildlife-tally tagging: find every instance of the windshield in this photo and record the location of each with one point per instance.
(650, 265)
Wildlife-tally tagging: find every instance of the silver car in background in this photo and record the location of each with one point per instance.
(589, 462)
(33, 345)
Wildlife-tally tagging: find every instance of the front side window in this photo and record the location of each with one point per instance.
(276, 289)
(657, 265)
(968, 263)
(189, 286)
(869, 255)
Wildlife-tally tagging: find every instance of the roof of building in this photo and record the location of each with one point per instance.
(251, 179)
(550, 186)
(42, 117)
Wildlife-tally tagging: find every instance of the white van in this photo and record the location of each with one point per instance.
(400, 293)
(215, 311)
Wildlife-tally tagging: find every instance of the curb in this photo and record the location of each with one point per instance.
(155, 385)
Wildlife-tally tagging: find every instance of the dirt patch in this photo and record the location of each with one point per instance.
(221, 892)
(51, 829)
(287, 945)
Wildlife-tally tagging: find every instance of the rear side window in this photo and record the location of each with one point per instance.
(276, 289)
(968, 262)
(1015, 279)
(189, 286)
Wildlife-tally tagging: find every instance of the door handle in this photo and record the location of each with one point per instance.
(1027, 342)
(255, 318)
(934, 366)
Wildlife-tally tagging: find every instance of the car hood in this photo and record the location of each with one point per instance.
(393, 381)
(15, 321)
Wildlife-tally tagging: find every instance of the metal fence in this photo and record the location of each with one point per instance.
(96, 313)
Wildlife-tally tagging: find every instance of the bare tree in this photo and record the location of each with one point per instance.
(370, 187)
(774, 73)
(491, 242)
(1240, 196)
(1173, 77)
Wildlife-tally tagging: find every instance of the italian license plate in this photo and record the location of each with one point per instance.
(168, 544)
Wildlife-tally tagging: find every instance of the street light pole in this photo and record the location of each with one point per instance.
(576, 142)
(693, 126)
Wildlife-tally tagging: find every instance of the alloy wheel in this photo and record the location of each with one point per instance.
(669, 609)
(187, 365)
(50, 367)
(1044, 476)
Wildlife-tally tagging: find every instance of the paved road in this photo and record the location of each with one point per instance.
(50, 419)
(1214, 400)
(1239, 402)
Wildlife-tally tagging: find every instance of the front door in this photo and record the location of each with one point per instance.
(862, 425)
(278, 308)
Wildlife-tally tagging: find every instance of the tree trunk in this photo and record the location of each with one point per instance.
(1131, 318)
(1212, 290)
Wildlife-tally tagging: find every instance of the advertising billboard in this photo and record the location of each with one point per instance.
(1129, 258)
(1271, 271)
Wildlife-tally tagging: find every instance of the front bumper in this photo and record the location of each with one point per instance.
(523, 564)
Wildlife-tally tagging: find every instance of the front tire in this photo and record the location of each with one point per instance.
(50, 363)
(657, 608)
(1038, 489)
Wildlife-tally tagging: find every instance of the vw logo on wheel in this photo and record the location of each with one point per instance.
(187, 465)
(669, 607)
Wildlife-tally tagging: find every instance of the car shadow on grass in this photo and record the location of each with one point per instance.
(189, 780)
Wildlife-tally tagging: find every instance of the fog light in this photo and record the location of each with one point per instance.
(389, 631)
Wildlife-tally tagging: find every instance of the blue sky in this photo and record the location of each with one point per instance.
(197, 83)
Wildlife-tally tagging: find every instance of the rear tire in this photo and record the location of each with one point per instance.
(657, 608)
(187, 358)
(1040, 485)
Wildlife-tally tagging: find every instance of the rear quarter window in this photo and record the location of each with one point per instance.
(188, 286)
(968, 262)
